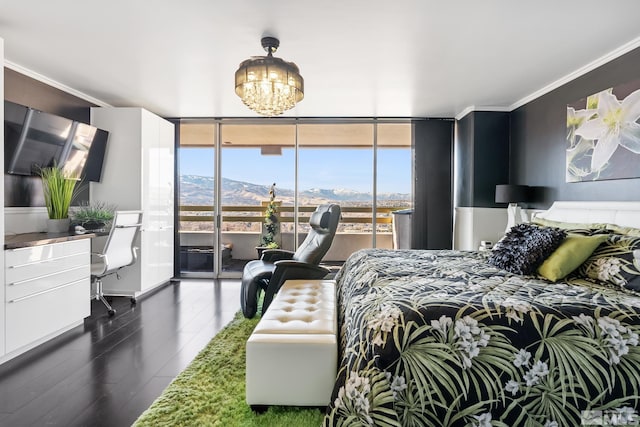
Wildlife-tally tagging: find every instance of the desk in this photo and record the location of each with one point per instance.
(25, 240)
(47, 288)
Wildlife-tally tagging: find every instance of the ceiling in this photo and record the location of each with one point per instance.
(359, 58)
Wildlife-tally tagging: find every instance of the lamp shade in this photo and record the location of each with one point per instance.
(507, 193)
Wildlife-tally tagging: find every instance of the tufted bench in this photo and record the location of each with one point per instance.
(292, 353)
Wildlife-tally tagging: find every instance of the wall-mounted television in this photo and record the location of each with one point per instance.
(34, 140)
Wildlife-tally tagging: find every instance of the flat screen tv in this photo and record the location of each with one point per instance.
(34, 140)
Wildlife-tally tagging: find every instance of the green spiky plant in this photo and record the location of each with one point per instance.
(98, 212)
(59, 190)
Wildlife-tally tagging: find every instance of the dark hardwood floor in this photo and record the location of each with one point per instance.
(109, 370)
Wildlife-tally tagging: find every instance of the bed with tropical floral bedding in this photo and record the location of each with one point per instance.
(430, 338)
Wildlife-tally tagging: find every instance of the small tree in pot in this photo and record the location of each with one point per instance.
(271, 224)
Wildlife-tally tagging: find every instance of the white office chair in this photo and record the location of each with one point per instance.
(119, 251)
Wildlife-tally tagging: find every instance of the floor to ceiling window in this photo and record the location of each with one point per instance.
(393, 180)
(254, 158)
(362, 165)
(197, 191)
(335, 165)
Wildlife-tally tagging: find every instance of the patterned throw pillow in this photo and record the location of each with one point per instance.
(525, 247)
(614, 262)
(627, 231)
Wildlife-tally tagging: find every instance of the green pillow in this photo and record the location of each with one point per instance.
(573, 251)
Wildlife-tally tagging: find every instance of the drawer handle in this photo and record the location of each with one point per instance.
(45, 261)
(20, 282)
(46, 291)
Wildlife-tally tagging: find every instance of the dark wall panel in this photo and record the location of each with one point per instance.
(433, 187)
(482, 157)
(538, 137)
(491, 146)
(24, 90)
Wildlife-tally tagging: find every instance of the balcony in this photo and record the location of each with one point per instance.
(241, 231)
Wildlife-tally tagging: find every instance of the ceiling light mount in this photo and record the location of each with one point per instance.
(270, 45)
(269, 85)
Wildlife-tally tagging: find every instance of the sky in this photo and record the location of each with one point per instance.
(319, 167)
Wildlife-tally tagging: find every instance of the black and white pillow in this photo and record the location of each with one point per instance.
(615, 262)
(525, 247)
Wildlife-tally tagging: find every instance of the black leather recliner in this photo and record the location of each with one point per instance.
(277, 265)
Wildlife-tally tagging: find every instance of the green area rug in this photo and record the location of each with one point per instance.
(211, 390)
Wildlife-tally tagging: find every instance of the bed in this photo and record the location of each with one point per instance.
(431, 338)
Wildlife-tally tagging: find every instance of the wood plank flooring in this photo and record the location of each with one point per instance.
(109, 370)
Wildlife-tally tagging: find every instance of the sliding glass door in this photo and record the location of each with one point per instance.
(197, 194)
(256, 160)
(228, 169)
(335, 165)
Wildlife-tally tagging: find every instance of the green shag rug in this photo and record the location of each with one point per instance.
(211, 390)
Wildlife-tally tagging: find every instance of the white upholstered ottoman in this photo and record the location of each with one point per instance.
(292, 354)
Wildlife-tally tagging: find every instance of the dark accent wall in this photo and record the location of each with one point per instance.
(538, 138)
(23, 90)
(432, 224)
(482, 157)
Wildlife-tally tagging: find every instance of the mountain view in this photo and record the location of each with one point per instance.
(198, 190)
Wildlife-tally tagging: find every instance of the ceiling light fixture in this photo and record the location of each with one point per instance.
(268, 85)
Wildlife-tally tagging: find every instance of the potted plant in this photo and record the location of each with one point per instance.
(269, 238)
(59, 189)
(93, 216)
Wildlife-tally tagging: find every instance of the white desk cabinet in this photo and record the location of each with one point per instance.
(138, 174)
(47, 291)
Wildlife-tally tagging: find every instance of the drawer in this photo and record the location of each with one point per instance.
(22, 272)
(44, 283)
(35, 317)
(34, 254)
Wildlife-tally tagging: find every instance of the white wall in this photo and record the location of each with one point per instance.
(472, 225)
(25, 220)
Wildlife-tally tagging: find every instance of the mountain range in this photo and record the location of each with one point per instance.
(198, 190)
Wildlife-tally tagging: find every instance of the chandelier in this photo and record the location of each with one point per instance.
(268, 85)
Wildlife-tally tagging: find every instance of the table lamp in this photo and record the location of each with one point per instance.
(512, 194)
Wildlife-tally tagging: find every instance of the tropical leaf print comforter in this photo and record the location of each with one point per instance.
(430, 338)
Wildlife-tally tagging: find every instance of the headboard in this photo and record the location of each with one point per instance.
(626, 214)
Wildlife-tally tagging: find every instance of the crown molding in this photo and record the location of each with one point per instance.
(625, 48)
(473, 108)
(53, 83)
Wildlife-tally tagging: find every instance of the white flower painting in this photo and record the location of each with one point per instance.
(603, 135)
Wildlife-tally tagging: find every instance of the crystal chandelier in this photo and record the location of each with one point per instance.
(268, 85)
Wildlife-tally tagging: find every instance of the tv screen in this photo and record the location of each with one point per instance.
(93, 166)
(34, 140)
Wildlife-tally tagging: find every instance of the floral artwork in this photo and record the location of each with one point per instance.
(603, 135)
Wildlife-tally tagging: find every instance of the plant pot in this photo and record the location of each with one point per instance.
(58, 225)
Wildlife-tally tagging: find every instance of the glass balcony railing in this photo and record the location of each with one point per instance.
(241, 227)
(193, 218)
